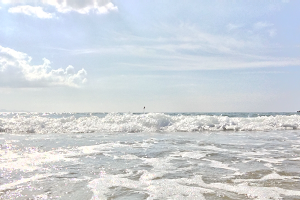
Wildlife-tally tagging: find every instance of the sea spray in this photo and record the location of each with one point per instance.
(41, 123)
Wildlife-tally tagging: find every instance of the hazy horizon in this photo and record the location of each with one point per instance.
(146, 112)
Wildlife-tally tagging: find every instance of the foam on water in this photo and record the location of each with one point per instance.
(193, 155)
(128, 157)
(151, 122)
(272, 176)
(10, 186)
(32, 160)
(150, 188)
(192, 188)
(173, 165)
(217, 164)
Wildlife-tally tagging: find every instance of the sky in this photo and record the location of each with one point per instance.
(166, 55)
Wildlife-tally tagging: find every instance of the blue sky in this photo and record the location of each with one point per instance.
(170, 55)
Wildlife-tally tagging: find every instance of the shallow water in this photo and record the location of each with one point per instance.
(149, 165)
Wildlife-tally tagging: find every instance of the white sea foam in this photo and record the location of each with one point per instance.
(214, 148)
(183, 188)
(32, 159)
(272, 176)
(99, 148)
(154, 189)
(151, 122)
(26, 180)
(256, 192)
(210, 165)
(270, 160)
(129, 157)
(159, 164)
(193, 155)
(218, 164)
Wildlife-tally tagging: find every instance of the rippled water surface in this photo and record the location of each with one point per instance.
(205, 164)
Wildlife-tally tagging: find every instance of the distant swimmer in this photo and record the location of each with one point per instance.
(144, 109)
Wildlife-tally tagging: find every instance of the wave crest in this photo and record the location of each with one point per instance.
(150, 122)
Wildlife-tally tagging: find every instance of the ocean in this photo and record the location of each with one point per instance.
(149, 156)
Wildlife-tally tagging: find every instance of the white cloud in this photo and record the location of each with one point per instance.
(31, 11)
(272, 33)
(64, 6)
(265, 27)
(262, 25)
(189, 48)
(16, 71)
(231, 26)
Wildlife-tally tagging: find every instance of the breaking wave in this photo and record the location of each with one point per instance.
(40, 123)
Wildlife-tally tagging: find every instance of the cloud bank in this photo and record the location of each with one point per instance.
(62, 6)
(82, 6)
(31, 11)
(17, 71)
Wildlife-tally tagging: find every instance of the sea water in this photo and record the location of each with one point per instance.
(149, 156)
